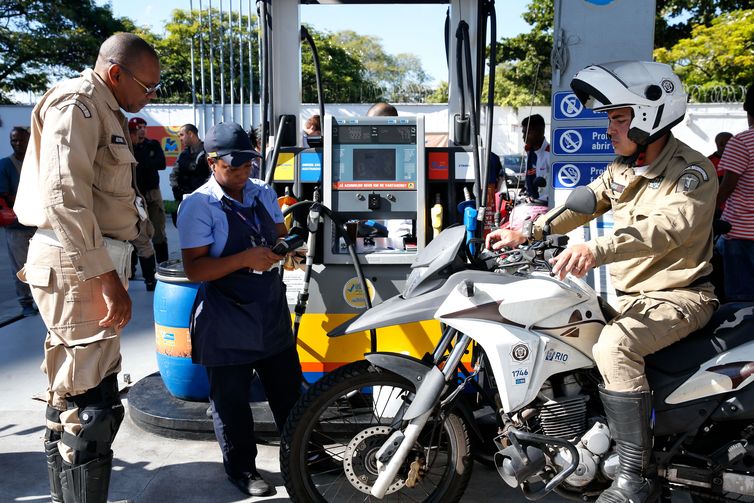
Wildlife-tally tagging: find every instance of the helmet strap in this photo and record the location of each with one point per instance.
(635, 159)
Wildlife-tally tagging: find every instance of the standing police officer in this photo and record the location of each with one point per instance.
(77, 187)
(662, 194)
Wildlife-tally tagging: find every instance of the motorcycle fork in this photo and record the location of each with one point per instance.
(426, 402)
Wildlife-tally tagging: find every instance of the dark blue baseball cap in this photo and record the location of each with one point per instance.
(229, 142)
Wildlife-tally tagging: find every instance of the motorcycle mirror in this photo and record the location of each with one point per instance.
(580, 200)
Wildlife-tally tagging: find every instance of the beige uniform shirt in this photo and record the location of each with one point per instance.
(78, 171)
(662, 234)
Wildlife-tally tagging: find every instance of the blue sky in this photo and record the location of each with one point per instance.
(416, 29)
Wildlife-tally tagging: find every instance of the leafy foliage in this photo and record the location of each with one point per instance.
(715, 56)
(42, 40)
(399, 78)
(344, 77)
(174, 48)
(722, 56)
(676, 18)
(524, 60)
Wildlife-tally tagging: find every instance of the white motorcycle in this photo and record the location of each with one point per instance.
(396, 428)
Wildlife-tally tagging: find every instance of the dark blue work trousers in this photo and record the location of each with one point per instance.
(229, 387)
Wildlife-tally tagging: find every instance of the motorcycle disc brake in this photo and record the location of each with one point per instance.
(360, 463)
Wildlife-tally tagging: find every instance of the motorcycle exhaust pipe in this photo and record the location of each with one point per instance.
(515, 466)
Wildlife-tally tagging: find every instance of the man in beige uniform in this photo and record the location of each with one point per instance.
(662, 194)
(77, 188)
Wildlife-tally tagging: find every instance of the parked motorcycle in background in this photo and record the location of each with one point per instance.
(396, 428)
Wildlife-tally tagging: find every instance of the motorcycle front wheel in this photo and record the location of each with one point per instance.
(328, 449)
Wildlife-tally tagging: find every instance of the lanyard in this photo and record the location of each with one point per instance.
(229, 205)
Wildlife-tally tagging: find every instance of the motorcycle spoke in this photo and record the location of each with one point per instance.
(349, 424)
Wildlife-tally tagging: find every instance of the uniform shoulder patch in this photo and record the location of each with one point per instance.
(691, 178)
(76, 103)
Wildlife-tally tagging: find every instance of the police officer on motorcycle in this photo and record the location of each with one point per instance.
(662, 194)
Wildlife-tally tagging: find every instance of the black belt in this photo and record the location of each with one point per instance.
(697, 282)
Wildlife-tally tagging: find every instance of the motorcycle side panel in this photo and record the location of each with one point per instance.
(501, 316)
(520, 360)
(737, 407)
(729, 371)
(683, 418)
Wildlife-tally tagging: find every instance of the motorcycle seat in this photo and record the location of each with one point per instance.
(730, 326)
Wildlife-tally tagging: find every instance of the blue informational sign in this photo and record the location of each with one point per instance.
(566, 106)
(311, 167)
(581, 141)
(569, 175)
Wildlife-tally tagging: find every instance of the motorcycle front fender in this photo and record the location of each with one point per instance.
(429, 380)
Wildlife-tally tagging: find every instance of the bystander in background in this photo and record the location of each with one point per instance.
(737, 192)
(17, 235)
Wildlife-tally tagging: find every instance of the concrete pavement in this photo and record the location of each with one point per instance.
(147, 468)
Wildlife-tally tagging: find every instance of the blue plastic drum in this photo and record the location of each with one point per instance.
(173, 299)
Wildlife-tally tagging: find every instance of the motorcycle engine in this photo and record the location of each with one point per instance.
(592, 446)
(565, 417)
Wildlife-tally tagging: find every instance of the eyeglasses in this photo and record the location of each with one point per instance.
(147, 89)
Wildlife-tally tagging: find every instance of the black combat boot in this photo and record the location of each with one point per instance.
(147, 270)
(89, 482)
(54, 465)
(629, 420)
(52, 453)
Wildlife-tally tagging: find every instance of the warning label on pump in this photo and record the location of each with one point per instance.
(374, 185)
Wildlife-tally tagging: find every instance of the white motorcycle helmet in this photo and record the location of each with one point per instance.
(652, 90)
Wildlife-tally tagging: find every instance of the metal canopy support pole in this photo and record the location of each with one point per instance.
(460, 10)
(230, 62)
(285, 68)
(222, 64)
(251, 68)
(201, 71)
(211, 65)
(240, 60)
(193, 67)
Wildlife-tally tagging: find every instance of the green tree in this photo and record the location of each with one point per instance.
(526, 57)
(345, 79)
(440, 94)
(45, 39)
(184, 30)
(524, 60)
(714, 56)
(399, 78)
(676, 18)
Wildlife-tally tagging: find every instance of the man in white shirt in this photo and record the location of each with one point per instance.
(537, 157)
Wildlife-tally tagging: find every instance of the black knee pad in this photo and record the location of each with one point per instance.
(100, 414)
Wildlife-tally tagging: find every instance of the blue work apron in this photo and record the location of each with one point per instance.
(244, 316)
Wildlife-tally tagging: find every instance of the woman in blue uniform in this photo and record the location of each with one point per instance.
(240, 320)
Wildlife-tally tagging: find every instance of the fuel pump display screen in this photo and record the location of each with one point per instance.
(374, 156)
(373, 164)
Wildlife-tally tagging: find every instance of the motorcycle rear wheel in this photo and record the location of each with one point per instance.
(328, 446)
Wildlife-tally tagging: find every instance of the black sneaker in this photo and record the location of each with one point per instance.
(150, 285)
(253, 484)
